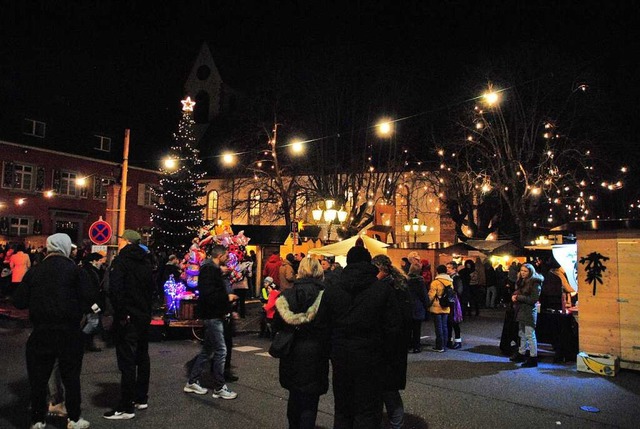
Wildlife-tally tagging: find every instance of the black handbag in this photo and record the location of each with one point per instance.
(282, 343)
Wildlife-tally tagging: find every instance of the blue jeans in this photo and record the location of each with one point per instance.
(440, 325)
(527, 335)
(214, 348)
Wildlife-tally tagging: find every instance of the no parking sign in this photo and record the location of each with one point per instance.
(100, 232)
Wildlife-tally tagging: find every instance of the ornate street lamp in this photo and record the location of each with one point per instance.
(329, 215)
(416, 227)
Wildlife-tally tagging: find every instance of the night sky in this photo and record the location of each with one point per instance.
(125, 63)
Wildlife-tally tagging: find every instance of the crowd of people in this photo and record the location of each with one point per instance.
(363, 319)
(65, 300)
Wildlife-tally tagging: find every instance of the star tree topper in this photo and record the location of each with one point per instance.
(187, 105)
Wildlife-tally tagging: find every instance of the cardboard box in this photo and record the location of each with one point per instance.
(598, 364)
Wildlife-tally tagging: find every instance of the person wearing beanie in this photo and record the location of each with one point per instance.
(362, 322)
(57, 294)
(131, 291)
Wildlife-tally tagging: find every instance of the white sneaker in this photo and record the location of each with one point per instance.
(80, 424)
(224, 393)
(39, 425)
(140, 406)
(195, 388)
(119, 415)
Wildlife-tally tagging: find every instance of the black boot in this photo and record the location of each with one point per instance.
(517, 357)
(532, 362)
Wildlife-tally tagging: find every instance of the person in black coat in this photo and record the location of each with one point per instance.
(57, 294)
(396, 372)
(362, 320)
(420, 305)
(305, 371)
(130, 291)
(91, 264)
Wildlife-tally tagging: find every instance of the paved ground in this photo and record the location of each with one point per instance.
(474, 387)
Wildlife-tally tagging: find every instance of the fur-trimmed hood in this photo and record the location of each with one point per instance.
(299, 305)
(296, 319)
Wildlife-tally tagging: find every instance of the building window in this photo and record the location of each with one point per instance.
(19, 226)
(254, 207)
(103, 144)
(34, 128)
(18, 176)
(211, 212)
(100, 186)
(149, 198)
(68, 184)
(23, 177)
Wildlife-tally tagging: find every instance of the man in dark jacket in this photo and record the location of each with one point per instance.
(57, 294)
(362, 318)
(131, 290)
(214, 306)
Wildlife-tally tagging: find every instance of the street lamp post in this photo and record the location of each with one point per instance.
(416, 227)
(329, 214)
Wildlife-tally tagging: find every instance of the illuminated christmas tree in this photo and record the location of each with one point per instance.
(178, 215)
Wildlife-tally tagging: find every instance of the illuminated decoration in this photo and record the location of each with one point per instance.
(170, 163)
(49, 194)
(178, 215)
(297, 147)
(173, 290)
(491, 98)
(187, 105)
(385, 127)
(228, 158)
(238, 266)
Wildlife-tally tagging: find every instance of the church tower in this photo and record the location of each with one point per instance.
(204, 86)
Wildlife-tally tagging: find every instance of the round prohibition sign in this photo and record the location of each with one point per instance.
(100, 232)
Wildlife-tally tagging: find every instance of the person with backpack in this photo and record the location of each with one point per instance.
(440, 312)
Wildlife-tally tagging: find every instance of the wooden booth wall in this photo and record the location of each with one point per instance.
(610, 320)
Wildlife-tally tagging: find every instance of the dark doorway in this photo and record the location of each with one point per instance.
(69, 228)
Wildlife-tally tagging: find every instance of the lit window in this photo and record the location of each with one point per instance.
(212, 206)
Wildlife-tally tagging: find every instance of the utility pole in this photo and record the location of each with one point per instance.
(122, 208)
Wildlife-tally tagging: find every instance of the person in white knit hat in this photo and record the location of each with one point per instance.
(57, 294)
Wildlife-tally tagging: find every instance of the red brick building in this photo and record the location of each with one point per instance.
(40, 194)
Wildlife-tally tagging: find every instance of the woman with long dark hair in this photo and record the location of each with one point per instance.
(395, 376)
(527, 294)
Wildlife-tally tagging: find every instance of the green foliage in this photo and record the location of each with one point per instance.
(178, 215)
